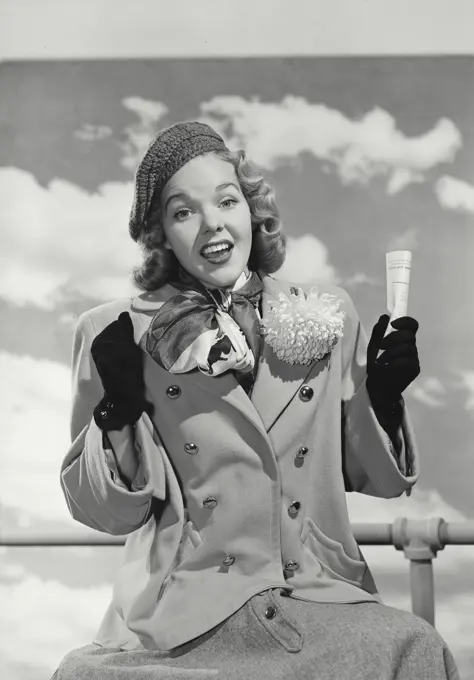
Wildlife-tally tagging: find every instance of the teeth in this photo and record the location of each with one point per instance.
(215, 249)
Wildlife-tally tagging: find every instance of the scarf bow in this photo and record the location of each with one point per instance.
(214, 331)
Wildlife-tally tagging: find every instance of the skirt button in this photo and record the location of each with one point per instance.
(270, 613)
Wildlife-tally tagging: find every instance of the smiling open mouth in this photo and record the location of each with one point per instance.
(218, 252)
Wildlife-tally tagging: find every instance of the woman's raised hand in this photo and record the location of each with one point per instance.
(119, 363)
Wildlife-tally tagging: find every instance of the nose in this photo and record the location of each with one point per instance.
(212, 221)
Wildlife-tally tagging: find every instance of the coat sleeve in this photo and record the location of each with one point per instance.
(90, 479)
(371, 464)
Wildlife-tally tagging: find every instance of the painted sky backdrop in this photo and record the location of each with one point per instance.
(366, 155)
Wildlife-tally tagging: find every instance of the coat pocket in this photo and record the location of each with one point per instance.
(190, 540)
(334, 560)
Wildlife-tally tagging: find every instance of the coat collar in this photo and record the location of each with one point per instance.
(276, 381)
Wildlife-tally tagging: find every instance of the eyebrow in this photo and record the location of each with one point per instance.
(227, 184)
(181, 194)
(170, 198)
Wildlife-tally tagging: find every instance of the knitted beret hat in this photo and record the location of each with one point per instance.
(167, 152)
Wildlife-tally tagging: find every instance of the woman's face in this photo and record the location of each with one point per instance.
(207, 222)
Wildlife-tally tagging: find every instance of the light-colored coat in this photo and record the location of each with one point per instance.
(178, 579)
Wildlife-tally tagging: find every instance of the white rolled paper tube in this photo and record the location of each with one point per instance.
(398, 265)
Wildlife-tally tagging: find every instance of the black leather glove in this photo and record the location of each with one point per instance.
(390, 374)
(119, 362)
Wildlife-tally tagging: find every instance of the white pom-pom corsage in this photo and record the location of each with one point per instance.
(303, 327)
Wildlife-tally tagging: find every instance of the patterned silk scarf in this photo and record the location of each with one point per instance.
(212, 330)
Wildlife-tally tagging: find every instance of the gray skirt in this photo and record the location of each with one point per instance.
(277, 637)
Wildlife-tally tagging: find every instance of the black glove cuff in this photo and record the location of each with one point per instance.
(112, 415)
(389, 407)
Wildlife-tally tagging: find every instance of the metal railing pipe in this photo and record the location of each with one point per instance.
(420, 541)
(373, 533)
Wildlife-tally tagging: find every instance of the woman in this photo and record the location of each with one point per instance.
(218, 418)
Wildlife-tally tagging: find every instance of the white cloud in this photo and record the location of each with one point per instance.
(60, 240)
(93, 133)
(359, 278)
(34, 436)
(402, 178)
(306, 260)
(430, 391)
(455, 194)
(420, 505)
(139, 134)
(12, 570)
(407, 240)
(41, 621)
(360, 149)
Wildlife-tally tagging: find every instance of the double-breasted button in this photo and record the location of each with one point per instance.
(306, 393)
(191, 448)
(210, 502)
(302, 451)
(104, 415)
(294, 508)
(227, 561)
(270, 612)
(173, 391)
(291, 565)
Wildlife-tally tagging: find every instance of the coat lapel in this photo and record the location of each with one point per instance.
(276, 381)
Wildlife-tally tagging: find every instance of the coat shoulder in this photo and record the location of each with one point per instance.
(103, 314)
(322, 285)
(141, 308)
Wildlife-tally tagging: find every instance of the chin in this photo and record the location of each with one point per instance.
(220, 280)
(222, 277)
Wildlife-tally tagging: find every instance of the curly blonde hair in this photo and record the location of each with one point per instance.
(268, 249)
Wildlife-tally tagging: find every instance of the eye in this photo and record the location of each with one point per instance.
(181, 214)
(228, 202)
